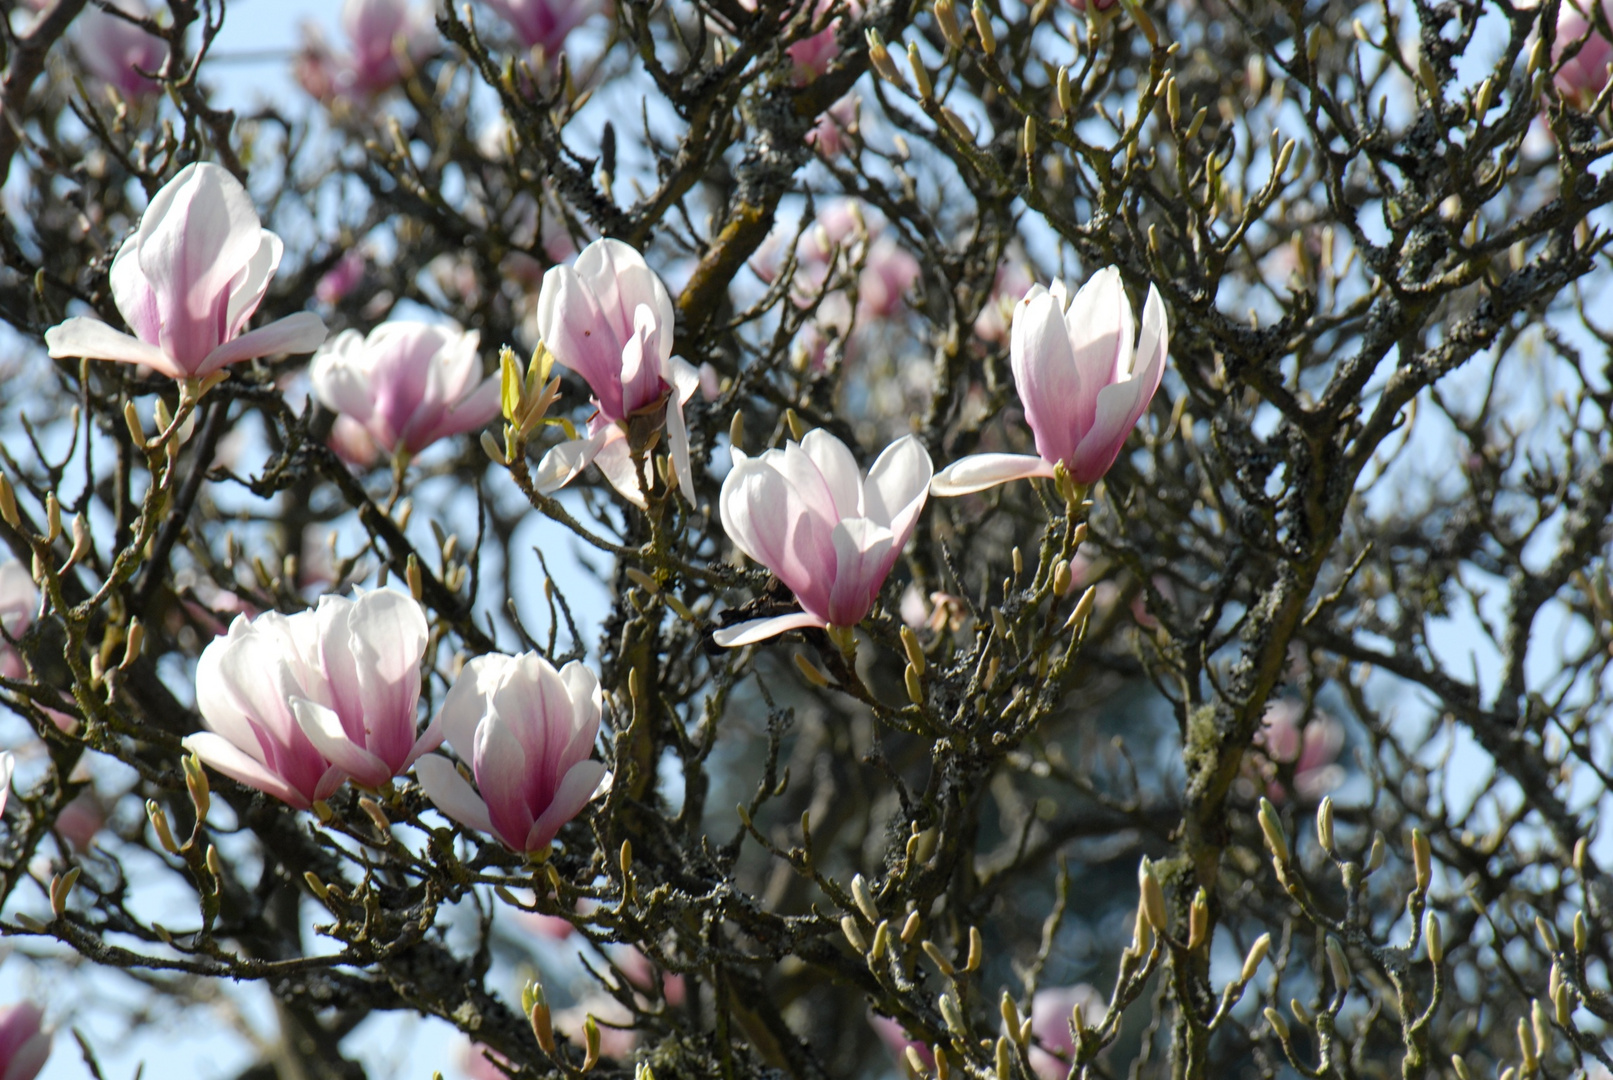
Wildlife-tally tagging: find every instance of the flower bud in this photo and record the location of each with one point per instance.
(1435, 937)
(982, 19)
(1010, 1012)
(910, 928)
(590, 1039)
(933, 951)
(811, 672)
(1278, 1025)
(1582, 933)
(1377, 853)
(1339, 964)
(1547, 934)
(1153, 897)
(977, 950)
(1198, 921)
(854, 934)
(946, 20)
(1324, 824)
(882, 938)
(953, 1016)
(1005, 1060)
(1460, 1068)
(1527, 1047)
(910, 645)
(196, 783)
(159, 824)
(921, 74)
(1422, 860)
(915, 688)
(61, 886)
(1257, 953)
(1083, 608)
(1276, 839)
(864, 898)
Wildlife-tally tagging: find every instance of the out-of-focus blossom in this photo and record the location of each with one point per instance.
(1082, 381)
(1313, 752)
(544, 25)
(477, 1065)
(710, 382)
(116, 51)
(18, 601)
(890, 271)
(527, 732)
(1050, 1024)
(408, 383)
(296, 704)
(609, 319)
(82, 819)
(814, 54)
(897, 1041)
(942, 611)
(831, 536)
(1584, 74)
(386, 40)
(24, 1044)
(341, 279)
(641, 974)
(352, 442)
(187, 282)
(1013, 282)
(842, 229)
(841, 119)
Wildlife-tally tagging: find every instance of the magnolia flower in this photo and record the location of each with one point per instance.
(386, 38)
(527, 732)
(116, 51)
(1051, 1011)
(807, 514)
(545, 24)
(408, 383)
(24, 1045)
(187, 282)
(1082, 382)
(18, 600)
(1584, 74)
(609, 319)
(1312, 751)
(295, 704)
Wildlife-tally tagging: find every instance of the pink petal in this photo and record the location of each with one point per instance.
(324, 729)
(575, 790)
(232, 762)
(299, 333)
(864, 554)
(1045, 373)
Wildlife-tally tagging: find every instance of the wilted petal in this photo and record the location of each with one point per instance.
(981, 471)
(562, 463)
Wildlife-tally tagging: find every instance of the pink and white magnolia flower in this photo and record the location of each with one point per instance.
(1584, 74)
(609, 319)
(116, 51)
(18, 602)
(527, 732)
(1051, 1011)
(545, 24)
(24, 1044)
(408, 383)
(296, 704)
(807, 514)
(187, 282)
(1082, 381)
(386, 38)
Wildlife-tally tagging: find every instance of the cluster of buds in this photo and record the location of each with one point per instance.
(525, 399)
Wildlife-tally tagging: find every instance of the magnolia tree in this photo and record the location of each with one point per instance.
(798, 539)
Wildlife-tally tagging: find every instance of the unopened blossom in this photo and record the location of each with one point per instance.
(18, 602)
(116, 51)
(386, 39)
(24, 1044)
(187, 282)
(1051, 1012)
(609, 319)
(545, 24)
(527, 732)
(296, 704)
(829, 534)
(1085, 377)
(1583, 75)
(408, 383)
(8, 765)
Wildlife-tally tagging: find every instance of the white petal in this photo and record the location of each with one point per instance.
(897, 486)
(981, 471)
(468, 700)
(562, 464)
(95, 340)
(579, 786)
(451, 793)
(748, 633)
(839, 469)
